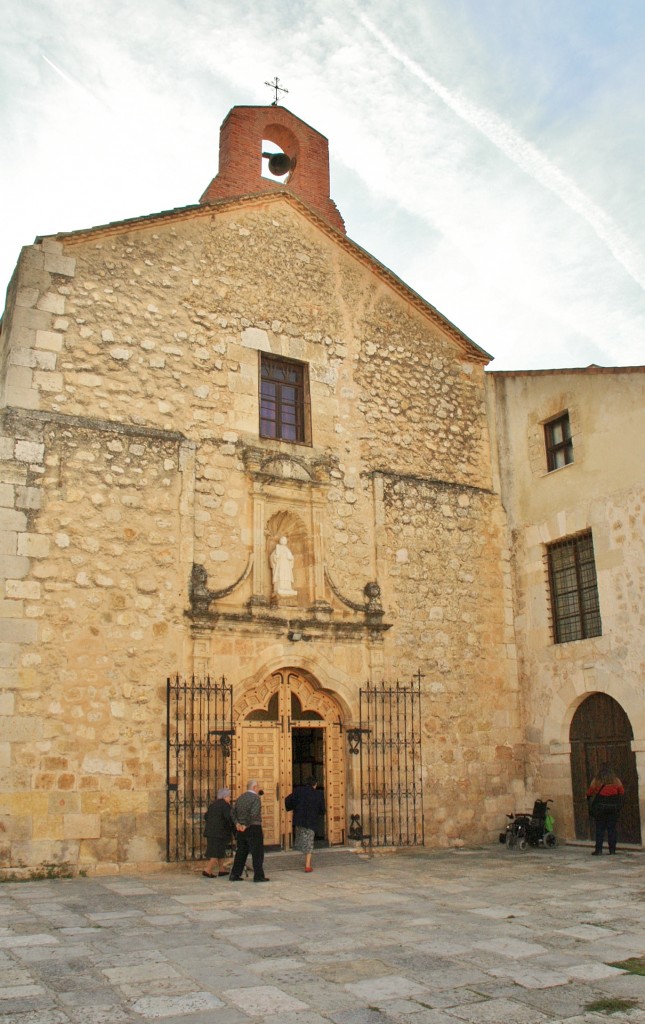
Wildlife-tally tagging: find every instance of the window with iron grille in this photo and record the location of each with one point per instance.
(559, 446)
(575, 607)
(284, 399)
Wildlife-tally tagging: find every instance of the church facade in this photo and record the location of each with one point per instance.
(264, 513)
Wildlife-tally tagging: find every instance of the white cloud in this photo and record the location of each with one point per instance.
(527, 157)
(469, 154)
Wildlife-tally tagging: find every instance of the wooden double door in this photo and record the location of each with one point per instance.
(601, 733)
(287, 731)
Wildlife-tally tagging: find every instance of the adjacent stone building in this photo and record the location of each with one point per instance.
(572, 480)
(193, 398)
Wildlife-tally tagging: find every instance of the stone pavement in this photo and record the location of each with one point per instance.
(476, 936)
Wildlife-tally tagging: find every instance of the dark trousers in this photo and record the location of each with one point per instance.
(606, 822)
(251, 841)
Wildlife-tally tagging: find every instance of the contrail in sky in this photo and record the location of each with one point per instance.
(71, 81)
(66, 78)
(528, 158)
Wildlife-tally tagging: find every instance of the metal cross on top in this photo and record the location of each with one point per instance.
(278, 88)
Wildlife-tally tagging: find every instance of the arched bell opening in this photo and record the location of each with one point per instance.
(279, 153)
(276, 164)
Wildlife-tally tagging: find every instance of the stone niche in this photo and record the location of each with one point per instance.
(290, 527)
(288, 497)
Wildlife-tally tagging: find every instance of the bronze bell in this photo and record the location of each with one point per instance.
(279, 163)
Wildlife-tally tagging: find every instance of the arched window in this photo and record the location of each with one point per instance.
(268, 714)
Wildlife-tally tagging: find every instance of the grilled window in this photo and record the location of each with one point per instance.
(575, 607)
(559, 446)
(283, 399)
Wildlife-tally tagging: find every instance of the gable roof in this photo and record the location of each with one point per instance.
(466, 346)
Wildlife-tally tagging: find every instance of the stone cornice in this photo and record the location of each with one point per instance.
(428, 481)
(278, 624)
(44, 417)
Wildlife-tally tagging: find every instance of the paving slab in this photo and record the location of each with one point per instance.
(424, 937)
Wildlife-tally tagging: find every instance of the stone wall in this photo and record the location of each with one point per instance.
(448, 584)
(422, 408)
(94, 607)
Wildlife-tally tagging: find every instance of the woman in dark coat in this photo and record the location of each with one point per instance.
(605, 796)
(307, 803)
(219, 830)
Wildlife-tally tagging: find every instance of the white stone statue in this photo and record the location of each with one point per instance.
(281, 561)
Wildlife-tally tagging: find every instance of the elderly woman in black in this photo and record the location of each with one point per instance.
(219, 830)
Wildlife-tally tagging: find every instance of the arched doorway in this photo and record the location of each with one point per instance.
(601, 733)
(286, 729)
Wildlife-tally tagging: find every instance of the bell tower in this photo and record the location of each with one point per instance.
(299, 165)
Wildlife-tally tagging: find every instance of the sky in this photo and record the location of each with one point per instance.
(488, 152)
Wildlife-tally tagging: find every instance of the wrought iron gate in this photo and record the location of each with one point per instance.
(389, 744)
(199, 719)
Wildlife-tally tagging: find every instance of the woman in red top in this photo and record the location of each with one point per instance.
(607, 791)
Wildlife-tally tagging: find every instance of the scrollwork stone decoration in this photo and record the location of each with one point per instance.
(200, 596)
(371, 608)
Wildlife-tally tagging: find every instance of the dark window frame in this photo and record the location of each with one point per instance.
(284, 403)
(558, 442)
(573, 584)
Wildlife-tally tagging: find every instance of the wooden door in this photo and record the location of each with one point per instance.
(267, 716)
(285, 787)
(601, 733)
(335, 785)
(259, 758)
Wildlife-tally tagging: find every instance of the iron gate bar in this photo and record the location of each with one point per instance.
(391, 764)
(199, 722)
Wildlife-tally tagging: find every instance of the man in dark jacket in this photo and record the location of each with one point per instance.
(247, 815)
(307, 804)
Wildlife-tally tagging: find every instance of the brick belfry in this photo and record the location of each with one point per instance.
(252, 489)
(307, 163)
